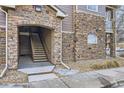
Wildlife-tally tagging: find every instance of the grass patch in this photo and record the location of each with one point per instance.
(105, 65)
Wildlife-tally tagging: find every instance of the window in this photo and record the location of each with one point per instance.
(92, 39)
(92, 8)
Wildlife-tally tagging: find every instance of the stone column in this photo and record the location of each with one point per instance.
(2, 45)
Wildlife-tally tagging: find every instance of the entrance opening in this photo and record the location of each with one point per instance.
(34, 46)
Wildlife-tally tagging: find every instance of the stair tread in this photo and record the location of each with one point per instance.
(38, 49)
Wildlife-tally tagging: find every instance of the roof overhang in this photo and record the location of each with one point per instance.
(58, 14)
(9, 6)
(113, 6)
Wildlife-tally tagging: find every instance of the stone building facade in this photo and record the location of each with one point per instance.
(86, 24)
(27, 16)
(80, 35)
(2, 45)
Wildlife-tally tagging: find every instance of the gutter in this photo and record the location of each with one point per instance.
(6, 66)
(61, 52)
(59, 12)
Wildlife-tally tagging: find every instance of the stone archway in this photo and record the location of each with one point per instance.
(27, 51)
(17, 18)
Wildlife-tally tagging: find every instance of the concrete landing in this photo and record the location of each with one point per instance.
(26, 62)
(41, 77)
(37, 70)
(27, 66)
(65, 72)
(108, 78)
(54, 83)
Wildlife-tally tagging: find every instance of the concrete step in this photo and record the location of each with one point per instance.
(37, 70)
(35, 58)
(37, 45)
(40, 60)
(37, 49)
(40, 55)
(42, 77)
(38, 52)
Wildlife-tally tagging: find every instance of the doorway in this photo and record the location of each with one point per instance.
(34, 46)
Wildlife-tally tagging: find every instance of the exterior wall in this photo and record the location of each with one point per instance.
(2, 37)
(68, 47)
(83, 21)
(2, 45)
(101, 10)
(67, 21)
(68, 34)
(111, 40)
(2, 19)
(26, 15)
(84, 24)
(76, 27)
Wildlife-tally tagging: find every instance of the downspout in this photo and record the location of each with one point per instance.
(6, 65)
(61, 52)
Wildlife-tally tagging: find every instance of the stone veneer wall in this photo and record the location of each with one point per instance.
(85, 24)
(2, 45)
(26, 15)
(68, 47)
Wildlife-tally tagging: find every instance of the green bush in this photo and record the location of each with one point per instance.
(105, 65)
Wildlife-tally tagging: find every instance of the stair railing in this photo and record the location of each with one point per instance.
(31, 45)
(47, 51)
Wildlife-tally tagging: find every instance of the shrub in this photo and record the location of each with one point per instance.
(105, 65)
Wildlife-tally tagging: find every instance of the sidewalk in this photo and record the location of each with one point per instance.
(92, 79)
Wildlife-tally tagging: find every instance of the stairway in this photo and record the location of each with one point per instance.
(38, 52)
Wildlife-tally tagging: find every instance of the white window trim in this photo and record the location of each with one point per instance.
(82, 11)
(93, 10)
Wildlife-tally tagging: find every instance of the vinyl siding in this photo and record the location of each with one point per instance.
(67, 22)
(101, 9)
(2, 19)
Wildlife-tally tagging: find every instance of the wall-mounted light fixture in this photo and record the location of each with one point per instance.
(38, 8)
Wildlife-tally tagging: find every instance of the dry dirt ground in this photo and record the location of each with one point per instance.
(85, 65)
(13, 76)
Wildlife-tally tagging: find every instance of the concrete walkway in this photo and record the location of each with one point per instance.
(94, 79)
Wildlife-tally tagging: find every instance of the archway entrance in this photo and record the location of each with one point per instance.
(35, 44)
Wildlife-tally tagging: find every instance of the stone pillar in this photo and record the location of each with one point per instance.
(56, 48)
(2, 45)
(57, 44)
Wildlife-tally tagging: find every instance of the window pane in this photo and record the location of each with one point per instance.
(92, 7)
